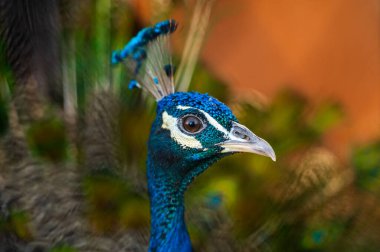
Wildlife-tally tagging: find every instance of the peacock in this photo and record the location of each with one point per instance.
(53, 145)
(191, 131)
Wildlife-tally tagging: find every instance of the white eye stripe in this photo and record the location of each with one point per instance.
(170, 123)
(209, 118)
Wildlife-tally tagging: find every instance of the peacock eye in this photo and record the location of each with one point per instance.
(192, 124)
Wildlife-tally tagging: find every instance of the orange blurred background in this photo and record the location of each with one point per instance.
(326, 49)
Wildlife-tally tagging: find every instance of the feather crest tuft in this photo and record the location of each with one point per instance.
(148, 60)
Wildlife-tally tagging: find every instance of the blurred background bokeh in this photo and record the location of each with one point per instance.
(304, 75)
(323, 49)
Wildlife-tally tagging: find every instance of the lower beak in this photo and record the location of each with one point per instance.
(241, 139)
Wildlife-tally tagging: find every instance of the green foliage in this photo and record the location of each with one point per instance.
(288, 115)
(326, 116)
(366, 160)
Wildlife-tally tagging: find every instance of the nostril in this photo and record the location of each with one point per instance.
(245, 137)
(241, 135)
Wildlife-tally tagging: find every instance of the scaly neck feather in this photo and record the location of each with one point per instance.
(168, 228)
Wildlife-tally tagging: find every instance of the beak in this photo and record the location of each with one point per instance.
(241, 139)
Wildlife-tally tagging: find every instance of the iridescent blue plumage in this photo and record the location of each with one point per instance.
(133, 84)
(214, 107)
(135, 48)
(191, 131)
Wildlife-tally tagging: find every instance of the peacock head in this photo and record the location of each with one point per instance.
(193, 130)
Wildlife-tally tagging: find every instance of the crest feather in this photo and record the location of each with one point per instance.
(148, 60)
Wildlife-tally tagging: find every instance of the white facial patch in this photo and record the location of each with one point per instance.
(209, 118)
(170, 123)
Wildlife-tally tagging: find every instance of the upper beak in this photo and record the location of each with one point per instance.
(241, 139)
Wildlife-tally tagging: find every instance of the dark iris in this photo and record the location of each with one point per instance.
(192, 124)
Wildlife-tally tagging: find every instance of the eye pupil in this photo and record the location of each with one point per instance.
(192, 124)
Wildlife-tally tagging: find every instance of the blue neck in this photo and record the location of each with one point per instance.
(170, 169)
(168, 228)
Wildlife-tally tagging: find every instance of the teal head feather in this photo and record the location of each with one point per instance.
(191, 131)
